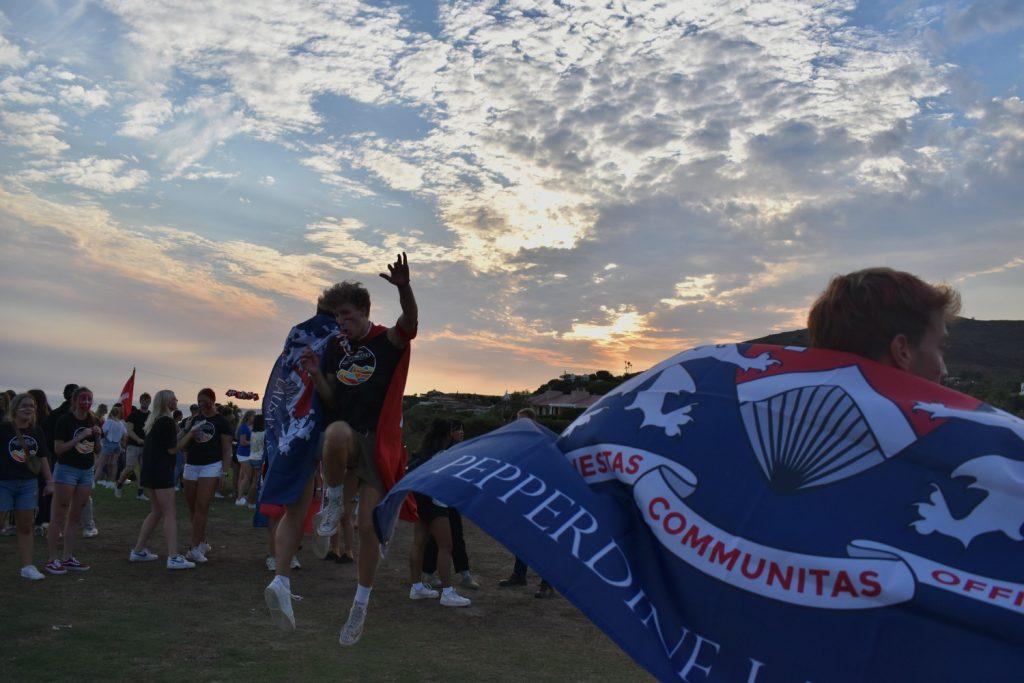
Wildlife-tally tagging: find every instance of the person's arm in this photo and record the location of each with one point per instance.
(132, 436)
(405, 329)
(310, 362)
(62, 445)
(225, 447)
(187, 437)
(170, 437)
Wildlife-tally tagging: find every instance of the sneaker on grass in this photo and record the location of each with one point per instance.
(352, 631)
(271, 564)
(295, 562)
(421, 592)
(179, 562)
(90, 532)
(30, 572)
(279, 602)
(142, 496)
(142, 556)
(241, 502)
(328, 520)
(205, 548)
(449, 598)
(55, 567)
(431, 581)
(468, 581)
(73, 565)
(118, 492)
(196, 555)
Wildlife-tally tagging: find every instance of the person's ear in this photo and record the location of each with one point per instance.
(901, 352)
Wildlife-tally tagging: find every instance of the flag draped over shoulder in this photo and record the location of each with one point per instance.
(127, 394)
(757, 513)
(293, 414)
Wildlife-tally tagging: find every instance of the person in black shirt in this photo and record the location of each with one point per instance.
(360, 384)
(136, 421)
(75, 440)
(158, 463)
(207, 446)
(22, 449)
(43, 411)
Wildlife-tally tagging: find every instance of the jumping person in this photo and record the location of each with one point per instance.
(159, 456)
(207, 447)
(76, 439)
(23, 460)
(360, 382)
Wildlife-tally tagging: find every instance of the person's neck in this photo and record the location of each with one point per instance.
(79, 413)
(207, 414)
(366, 332)
(22, 423)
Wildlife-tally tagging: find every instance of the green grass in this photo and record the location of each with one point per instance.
(141, 621)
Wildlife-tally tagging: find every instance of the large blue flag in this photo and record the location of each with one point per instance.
(757, 513)
(294, 418)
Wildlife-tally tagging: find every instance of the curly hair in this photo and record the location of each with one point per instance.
(337, 295)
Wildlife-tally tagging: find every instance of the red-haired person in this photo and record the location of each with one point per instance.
(886, 315)
(76, 442)
(23, 459)
(207, 447)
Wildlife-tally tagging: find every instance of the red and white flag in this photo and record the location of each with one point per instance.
(126, 394)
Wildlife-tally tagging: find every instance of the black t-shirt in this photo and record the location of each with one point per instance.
(205, 447)
(81, 454)
(12, 456)
(137, 419)
(164, 436)
(359, 377)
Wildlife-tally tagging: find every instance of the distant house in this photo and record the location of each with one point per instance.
(553, 402)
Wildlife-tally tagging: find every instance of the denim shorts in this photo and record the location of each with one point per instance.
(72, 476)
(18, 494)
(110, 447)
(196, 472)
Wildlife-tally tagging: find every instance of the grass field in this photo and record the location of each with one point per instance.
(143, 622)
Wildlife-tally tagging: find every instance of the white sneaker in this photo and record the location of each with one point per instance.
(279, 602)
(118, 491)
(205, 548)
(30, 572)
(271, 564)
(143, 497)
(421, 592)
(450, 598)
(295, 562)
(143, 556)
(218, 494)
(91, 532)
(321, 546)
(196, 555)
(352, 631)
(241, 502)
(328, 519)
(179, 562)
(431, 581)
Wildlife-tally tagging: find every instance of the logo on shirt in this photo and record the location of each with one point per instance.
(356, 368)
(84, 446)
(206, 432)
(17, 453)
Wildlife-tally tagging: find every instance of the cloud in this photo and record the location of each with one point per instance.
(34, 131)
(92, 173)
(145, 118)
(268, 181)
(977, 19)
(78, 96)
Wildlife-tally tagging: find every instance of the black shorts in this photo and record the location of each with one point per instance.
(428, 509)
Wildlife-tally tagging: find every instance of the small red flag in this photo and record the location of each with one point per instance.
(126, 395)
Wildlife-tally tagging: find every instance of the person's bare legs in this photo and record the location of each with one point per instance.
(204, 490)
(442, 531)
(369, 553)
(272, 537)
(62, 495)
(78, 501)
(23, 523)
(244, 475)
(420, 534)
(148, 524)
(289, 531)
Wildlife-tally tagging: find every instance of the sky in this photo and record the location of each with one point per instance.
(578, 185)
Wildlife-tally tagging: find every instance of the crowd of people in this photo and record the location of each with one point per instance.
(55, 456)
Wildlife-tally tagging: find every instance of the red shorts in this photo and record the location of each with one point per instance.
(274, 511)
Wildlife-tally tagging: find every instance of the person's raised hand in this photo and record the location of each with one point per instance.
(309, 361)
(398, 272)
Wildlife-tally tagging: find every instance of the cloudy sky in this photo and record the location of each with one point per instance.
(577, 184)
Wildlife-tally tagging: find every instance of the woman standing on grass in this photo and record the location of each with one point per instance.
(114, 434)
(433, 520)
(23, 454)
(75, 441)
(208, 456)
(45, 492)
(244, 437)
(159, 454)
(256, 447)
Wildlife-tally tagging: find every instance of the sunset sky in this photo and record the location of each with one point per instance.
(577, 184)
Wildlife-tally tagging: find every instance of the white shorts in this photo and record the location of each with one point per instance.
(194, 472)
(133, 456)
(240, 458)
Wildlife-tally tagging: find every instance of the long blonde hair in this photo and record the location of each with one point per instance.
(161, 407)
(12, 408)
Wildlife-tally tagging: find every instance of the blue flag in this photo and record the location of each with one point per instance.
(757, 513)
(294, 417)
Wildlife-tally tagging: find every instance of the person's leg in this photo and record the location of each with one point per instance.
(23, 523)
(88, 521)
(419, 539)
(289, 532)
(205, 488)
(245, 473)
(164, 500)
(369, 553)
(460, 559)
(100, 466)
(254, 485)
(148, 524)
(62, 494)
(272, 537)
(441, 530)
(78, 500)
(430, 556)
